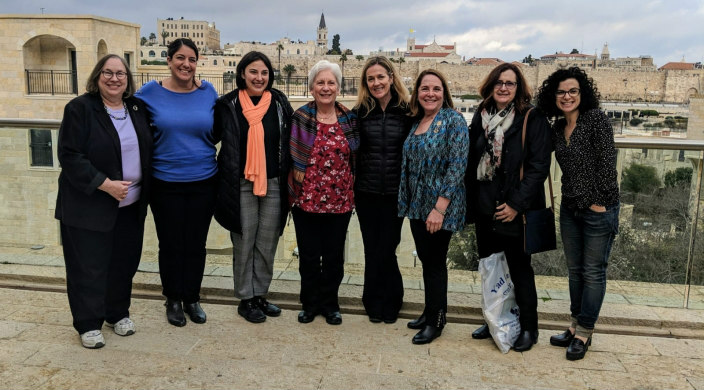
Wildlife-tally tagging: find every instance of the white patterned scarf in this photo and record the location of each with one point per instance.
(494, 126)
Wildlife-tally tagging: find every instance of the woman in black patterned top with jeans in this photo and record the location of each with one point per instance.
(584, 148)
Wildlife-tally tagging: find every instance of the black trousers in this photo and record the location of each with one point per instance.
(381, 233)
(182, 214)
(321, 247)
(519, 265)
(432, 252)
(100, 267)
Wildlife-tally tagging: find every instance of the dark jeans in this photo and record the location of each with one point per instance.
(100, 267)
(519, 265)
(587, 237)
(381, 234)
(321, 258)
(182, 214)
(432, 252)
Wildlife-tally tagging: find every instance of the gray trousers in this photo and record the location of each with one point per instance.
(253, 250)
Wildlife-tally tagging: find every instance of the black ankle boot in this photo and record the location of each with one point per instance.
(578, 348)
(432, 330)
(174, 312)
(481, 333)
(418, 323)
(525, 340)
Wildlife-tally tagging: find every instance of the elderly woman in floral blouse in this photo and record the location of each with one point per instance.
(432, 191)
(324, 141)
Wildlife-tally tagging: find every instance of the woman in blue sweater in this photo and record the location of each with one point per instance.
(184, 178)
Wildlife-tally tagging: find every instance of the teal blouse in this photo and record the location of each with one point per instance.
(433, 165)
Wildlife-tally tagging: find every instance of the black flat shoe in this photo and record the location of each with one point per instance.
(390, 320)
(334, 318)
(174, 313)
(577, 349)
(374, 319)
(195, 312)
(525, 341)
(427, 335)
(249, 310)
(305, 317)
(563, 339)
(481, 333)
(417, 323)
(269, 309)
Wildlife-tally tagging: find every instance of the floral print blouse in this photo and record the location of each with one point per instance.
(433, 165)
(328, 182)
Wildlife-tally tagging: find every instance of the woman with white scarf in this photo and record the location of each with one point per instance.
(497, 196)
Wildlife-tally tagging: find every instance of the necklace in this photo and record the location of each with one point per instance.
(124, 106)
(325, 117)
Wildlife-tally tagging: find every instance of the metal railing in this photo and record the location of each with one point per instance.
(52, 82)
(64, 82)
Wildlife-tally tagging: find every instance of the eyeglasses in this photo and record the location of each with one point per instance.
(572, 92)
(108, 74)
(508, 84)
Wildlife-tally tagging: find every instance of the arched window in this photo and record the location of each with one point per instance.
(163, 53)
(298, 51)
(215, 62)
(151, 53)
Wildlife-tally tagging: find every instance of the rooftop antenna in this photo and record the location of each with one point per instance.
(42, 8)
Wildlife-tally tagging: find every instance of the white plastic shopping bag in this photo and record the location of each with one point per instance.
(499, 301)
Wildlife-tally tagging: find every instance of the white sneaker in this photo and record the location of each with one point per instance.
(124, 327)
(93, 339)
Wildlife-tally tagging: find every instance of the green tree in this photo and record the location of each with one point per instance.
(279, 47)
(288, 70)
(152, 38)
(670, 122)
(335, 45)
(528, 60)
(639, 178)
(401, 60)
(681, 176)
(164, 34)
(635, 121)
(574, 51)
(359, 57)
(142, 41)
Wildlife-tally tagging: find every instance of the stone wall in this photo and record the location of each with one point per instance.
(44, 40)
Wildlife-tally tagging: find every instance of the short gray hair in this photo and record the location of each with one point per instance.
(321, 66)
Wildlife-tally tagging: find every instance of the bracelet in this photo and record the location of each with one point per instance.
(438, 210)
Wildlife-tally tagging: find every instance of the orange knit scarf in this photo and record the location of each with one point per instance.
(255, 167)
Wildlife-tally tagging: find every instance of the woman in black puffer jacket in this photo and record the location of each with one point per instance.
(382, 111)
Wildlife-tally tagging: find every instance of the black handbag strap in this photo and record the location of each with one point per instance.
(523, 145)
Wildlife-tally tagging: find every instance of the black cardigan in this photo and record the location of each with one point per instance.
(89, 152)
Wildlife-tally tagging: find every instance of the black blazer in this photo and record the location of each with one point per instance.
(89, 151)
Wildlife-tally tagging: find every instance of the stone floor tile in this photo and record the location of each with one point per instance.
(679, 347)
(654, 301)
(615, 298)
(558, 294)
(20, 377)
(594, 360)
(670, 365)
(459, 287)
(411, 284)
(145, 266)
(79, 379)
(290, 275)
(10, 329)
(210, 269)
(628, 380)
(342, 378)
(696, 382)
(14, 351)
(617, 344)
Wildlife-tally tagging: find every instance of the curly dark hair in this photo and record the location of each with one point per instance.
(589, 95)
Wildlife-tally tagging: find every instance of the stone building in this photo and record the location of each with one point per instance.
(202, 33)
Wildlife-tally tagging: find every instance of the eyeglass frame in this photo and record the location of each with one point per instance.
(107, 74)
(510, 85)
(573, 92)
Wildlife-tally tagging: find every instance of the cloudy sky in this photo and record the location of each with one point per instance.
(507, 29)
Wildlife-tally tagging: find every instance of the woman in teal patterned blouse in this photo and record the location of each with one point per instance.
(432, 191)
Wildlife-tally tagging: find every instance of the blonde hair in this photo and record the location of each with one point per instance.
(365, 100)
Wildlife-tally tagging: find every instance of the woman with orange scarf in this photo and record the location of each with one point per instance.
(253, 123)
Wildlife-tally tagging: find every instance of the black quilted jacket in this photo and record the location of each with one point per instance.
(381, 145)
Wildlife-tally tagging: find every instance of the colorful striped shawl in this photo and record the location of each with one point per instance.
(303, 133)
